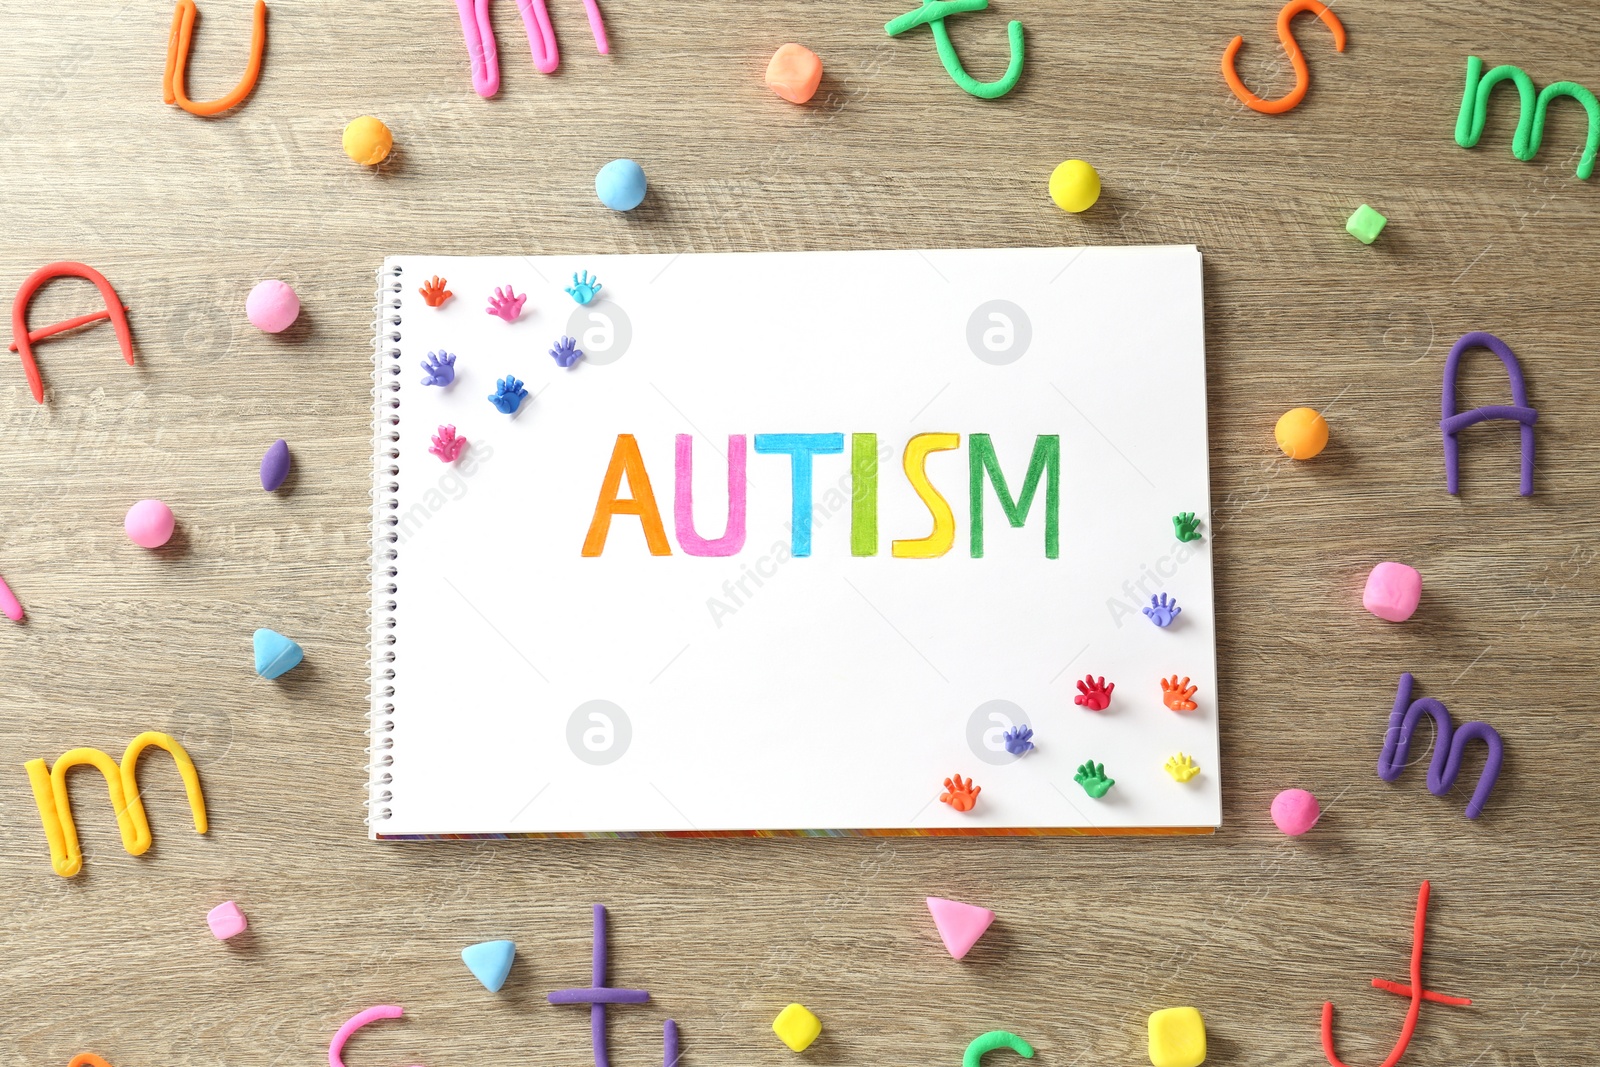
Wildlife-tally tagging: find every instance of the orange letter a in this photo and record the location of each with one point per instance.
(625, 460)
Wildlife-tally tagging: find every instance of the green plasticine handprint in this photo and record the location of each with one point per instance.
(1529, 135)
(932, 14)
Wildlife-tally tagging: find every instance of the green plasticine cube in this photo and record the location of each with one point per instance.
(1365, 225)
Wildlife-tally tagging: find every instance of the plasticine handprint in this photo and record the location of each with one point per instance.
(506, 303)
(1092, 776)
(960, 795)
(566, 352)
(1182, 768)
(1019, 740)
(1094, 693)
(1185, 526)
(1179, 696)
(1162, 611)
(439, 368)
(434, 292)
(446, 445)
(508, 395)
(586, 290)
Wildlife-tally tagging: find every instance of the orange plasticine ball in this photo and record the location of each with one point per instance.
(794, 73)
(367, 141)
(1302, 433)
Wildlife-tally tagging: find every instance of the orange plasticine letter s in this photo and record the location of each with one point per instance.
(626, 460)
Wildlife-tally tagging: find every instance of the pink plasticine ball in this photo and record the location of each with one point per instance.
(272, 306)
(1393, 591)
(1295, 811)
(149, 523)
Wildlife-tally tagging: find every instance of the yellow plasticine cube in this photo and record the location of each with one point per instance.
(1177, 1038)
(797, 1027)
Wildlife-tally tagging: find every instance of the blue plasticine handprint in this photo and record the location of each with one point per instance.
(1162, 611)
(1019, 740)
(440, 368)
(566, 352)
(585, 290)
(508, 395)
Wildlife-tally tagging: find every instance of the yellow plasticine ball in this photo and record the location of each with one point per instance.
(1074, 186)
(1301, 433)
(367, 141)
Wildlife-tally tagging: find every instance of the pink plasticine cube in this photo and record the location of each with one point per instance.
(226, 920)
(1393, 591)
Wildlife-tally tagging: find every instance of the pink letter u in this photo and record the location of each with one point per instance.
(732, 539)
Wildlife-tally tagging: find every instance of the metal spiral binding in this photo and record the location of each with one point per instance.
(384, 543)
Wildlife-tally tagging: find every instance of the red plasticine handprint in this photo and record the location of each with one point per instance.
(960, 795)
(434, 292)
(1094, 693)
(1178, 695)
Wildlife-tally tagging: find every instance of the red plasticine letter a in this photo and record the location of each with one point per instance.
(626, 460)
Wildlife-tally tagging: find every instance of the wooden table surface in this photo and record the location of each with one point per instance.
(185, 214)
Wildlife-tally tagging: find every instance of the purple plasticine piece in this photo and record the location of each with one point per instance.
(566, 352)
(1163, 610)
(275, 465)
(440, 368)
(1450, 422)
(1019, 740)
(598, 995)
(1448, 747)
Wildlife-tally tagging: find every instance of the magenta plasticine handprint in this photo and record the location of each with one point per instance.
(506, 303)
(446, 445)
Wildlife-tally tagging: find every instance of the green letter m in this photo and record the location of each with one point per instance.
(1046, 459)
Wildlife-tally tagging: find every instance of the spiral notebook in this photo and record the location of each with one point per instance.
(793, 543)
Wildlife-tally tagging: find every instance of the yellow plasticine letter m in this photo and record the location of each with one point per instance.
(122, 783)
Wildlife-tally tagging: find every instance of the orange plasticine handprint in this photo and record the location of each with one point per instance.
(1178, 695)
(960, 795)
(434, 292)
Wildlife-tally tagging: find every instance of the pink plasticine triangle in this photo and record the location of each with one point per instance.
(960, 925)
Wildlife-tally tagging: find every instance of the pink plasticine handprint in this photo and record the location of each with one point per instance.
(446, 445)
(506, 303)
(1094, 693)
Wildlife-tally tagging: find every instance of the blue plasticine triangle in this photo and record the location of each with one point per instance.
(276, 654)
(490, 962)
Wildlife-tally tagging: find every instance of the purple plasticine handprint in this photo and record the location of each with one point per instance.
(566, 352)
(446, 445)
(506, 303)
(1019, 740)
(440, 368)
(1162, 611)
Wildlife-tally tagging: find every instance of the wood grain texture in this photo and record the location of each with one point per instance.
(185, 214)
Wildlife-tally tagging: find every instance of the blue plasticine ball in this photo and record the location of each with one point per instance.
(620, 185)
